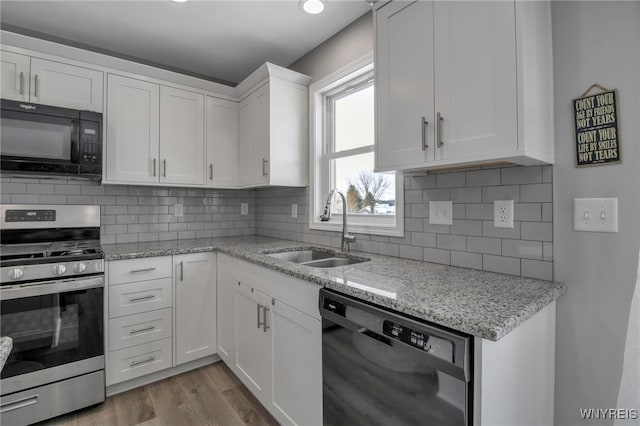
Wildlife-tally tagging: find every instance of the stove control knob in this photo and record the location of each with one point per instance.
(59, 269)
(79, 268)
(16, 273)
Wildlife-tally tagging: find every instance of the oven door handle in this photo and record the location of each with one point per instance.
(18, 291)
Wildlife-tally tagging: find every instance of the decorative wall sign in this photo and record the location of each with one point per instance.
(596, 121)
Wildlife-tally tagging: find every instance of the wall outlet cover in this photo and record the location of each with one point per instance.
(595, 214)
(503, 213)
(244, 209)
(294, 210)
(178, 210)
(440, 212)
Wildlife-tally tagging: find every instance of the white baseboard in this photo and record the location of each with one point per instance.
(159, 375)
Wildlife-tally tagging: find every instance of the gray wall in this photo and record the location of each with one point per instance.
(131, 214)
(351, 43)
(595, 42)
(471, 241)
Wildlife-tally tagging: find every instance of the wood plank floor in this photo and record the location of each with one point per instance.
(210, 395)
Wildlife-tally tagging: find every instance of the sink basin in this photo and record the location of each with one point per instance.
(318, 258)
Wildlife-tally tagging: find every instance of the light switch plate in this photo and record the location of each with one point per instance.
(178, 210)
(503, 213)
(440, 212)
(595, 214)
(294, 210)
(244, 209)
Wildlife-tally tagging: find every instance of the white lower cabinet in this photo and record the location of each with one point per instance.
(195, 306)
(275, 347)
(137, 361)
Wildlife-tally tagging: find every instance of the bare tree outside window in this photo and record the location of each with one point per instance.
(366, 191)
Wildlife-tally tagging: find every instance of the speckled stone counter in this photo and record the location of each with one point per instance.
(5, 349)
(483, 304)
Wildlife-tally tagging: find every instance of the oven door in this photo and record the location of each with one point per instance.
(43, 139)
(56, 328)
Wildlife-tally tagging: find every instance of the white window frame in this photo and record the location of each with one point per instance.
(319, 163)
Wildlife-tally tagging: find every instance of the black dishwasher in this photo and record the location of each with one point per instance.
(382, 368)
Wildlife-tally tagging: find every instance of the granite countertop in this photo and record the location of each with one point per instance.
(5, 349)
(484, 304)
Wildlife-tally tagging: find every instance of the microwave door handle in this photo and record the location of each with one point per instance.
(75, 141)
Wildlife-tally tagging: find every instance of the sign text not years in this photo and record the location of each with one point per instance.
(596, 129)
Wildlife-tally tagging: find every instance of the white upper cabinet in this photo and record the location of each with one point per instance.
(221, 143)
(30, 79)
(452, 80)
(15, 76)
(181, 136)
(132, 126)
(69, 86)
(195, 306)
(273, 123)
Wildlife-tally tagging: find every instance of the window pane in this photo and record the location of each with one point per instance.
(353, 121)
(366, 192)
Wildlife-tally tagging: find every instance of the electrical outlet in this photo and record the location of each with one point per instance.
(294, 210)
(244, 209)
(178, 210)
(503, 213)
(595, 214)
(440, 212)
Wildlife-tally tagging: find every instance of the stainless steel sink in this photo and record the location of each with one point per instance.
(318, 258)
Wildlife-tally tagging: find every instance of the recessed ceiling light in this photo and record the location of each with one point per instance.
(312, 7)
(179, 1)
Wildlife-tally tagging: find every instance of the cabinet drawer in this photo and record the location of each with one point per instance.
(132, 330)
(143, 296)
(144, 269)
(140, 360)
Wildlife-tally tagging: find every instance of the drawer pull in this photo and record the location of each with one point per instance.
(133, 331)
(143, 270)
(137, 299)
(20, 403)
(144, 361)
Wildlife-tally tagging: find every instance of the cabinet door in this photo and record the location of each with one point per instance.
(222, 142)
(132, 124)
(404, 85)
(296, 366)
(226, 287)
(475, 79)
(246, 133)
(253, 342)
(195, 306)
(181, 136)
(262, 135)
(15, 76)
(55, 83)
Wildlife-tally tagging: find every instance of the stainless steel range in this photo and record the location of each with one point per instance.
(52, 283)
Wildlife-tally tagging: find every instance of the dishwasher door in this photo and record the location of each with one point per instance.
(380, 368)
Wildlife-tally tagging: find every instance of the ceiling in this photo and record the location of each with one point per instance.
(218, 40)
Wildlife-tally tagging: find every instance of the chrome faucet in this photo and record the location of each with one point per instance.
(326, 216)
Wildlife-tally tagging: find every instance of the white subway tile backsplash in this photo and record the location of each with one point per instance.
(522, 249)
(484, 245)
(504, 265)
(506, 192)
(537, 269)
(489, 177)
(537, 231)
(467, 227)
(450, 180)
(451, 242)
(466, 259)
(466, 195)
(536, 193)
(521, 175)
(436, 256)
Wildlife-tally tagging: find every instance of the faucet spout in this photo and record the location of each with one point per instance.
(326, 216)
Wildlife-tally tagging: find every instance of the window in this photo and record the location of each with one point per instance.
(343, 129)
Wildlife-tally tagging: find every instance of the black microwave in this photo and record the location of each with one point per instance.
(49, 140)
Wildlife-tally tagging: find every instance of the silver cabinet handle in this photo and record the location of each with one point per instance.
(424, 124)
(144, 361)
(264, 167)
(35, 89)
(258, 306)
(181, 271)
(210, 171)
(140, 330)
(154, 167)
(19, 403)
(439, 130)
(22, 83)
(137, 299)
(265, 327)
(142, 270)
(164, 166)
